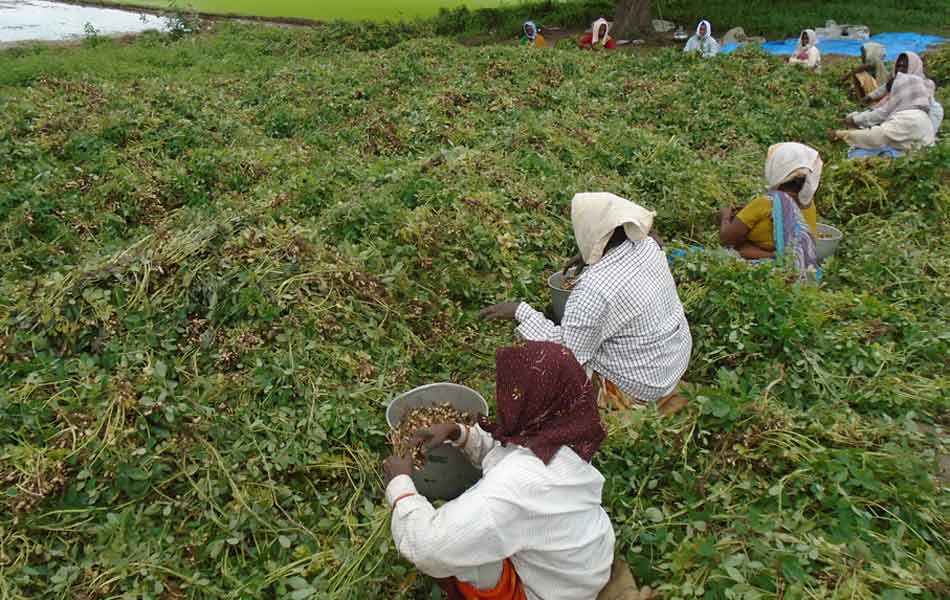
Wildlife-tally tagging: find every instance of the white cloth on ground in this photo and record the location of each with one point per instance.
(789, 160)
(547, 519)
(624, 320)
(706, 45)
(936, 115)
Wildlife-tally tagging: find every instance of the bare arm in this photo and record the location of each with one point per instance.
(732, 231)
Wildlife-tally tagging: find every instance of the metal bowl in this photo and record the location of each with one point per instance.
(447, 472)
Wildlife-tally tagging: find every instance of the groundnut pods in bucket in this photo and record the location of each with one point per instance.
(828, 240)
(447, 472)
(559, 292)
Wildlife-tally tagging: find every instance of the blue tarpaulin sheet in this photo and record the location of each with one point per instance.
(894, 42)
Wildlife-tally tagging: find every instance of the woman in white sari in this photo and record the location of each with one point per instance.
(901, 124)
(807, 54)
(703, 42)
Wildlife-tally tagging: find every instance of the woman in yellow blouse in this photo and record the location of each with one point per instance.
(792, 168)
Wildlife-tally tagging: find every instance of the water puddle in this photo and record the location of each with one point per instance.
(25, 20)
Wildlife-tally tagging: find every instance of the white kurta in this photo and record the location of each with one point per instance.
(904, 130)
(547, 519)
(812, 60)
(707, 46)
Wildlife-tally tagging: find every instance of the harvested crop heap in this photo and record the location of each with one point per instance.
(222, 255)
(423, 417)
(568, 283)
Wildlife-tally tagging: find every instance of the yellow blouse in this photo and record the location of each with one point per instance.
(757, 216)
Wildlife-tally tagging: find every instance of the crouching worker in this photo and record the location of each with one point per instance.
(871, 75)
(532, 36)
(784, 222)
(623, 321)
(703, 42)
(901, 124)
(599, 37)
(533, 527)
(791, 169)
(807, 54)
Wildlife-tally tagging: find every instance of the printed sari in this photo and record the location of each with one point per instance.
(795, 244)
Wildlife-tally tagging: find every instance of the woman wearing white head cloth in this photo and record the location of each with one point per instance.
(901, 124)
(785, 221)
(703, 42)
(532, 36)
(623, 321)
(599, 37)
(807, 53)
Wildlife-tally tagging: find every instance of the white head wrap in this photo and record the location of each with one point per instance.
(595, 31)
(874, 51)
(595, 217)
(812, 39)
(789, 160)
(708, 29)
(533, 30)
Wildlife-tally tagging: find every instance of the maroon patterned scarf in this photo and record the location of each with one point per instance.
(545, 401)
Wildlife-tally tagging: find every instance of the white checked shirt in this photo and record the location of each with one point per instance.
(623, 320)
(547, 519)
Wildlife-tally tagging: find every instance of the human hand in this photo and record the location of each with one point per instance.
(394, 466)
(505, 310)
(725, 214)
(436, 435)
(832, 135)
(576, 261)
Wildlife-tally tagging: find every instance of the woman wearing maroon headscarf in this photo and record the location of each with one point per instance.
(533, 527)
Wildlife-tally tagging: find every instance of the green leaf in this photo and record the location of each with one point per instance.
(654, 514)
(297, 582)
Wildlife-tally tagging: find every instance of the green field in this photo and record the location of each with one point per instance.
(325, 10)
(223, 254)
(503, 18)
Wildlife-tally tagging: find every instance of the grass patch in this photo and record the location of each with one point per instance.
(786, 18)
(224, 254)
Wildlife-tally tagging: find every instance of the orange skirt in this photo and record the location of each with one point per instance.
(509, 587)
(611, 397)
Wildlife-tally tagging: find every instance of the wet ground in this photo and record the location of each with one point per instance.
(25, 20)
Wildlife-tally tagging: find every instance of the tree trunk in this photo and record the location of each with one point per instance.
(632, 18)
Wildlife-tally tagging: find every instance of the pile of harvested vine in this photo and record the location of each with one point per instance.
(423, 417)
(212, 285)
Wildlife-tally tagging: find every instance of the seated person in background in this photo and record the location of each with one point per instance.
(871, 74)
(623, 320)
(908, 63)
(786, 218)
(703, 42)
(532, 36)
(533, 527)
(901, 124)
(807, 54)
(599, 37)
